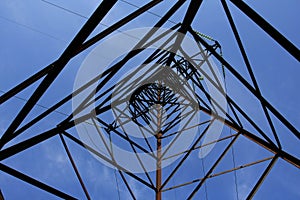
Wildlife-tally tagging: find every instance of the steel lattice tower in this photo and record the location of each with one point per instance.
(166, 91)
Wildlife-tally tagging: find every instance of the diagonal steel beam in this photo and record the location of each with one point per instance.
(273, 149)
(249, 68)
(248, 86)
(34, 182)
(108, 160)
(268, 28)
(83, 47)
(262, 178)
(213, 167)
(187, 21)
(74, 167)
(82, 35)
(185, 156)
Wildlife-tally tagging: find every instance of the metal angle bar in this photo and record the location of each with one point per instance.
(284, 155)
(101, 104)
(185, 73)
(43, 136)
(120, 172)
(190, 15)
(114, 69)
(126, 138)
(249, 68)
(108, 149)
(200, 86)
(117, 25)
(124, 21)
(177, 136)
(21, 146)
(213, 167)
(145, 139)
(170, 12)
(248, 86)
(158, 194)
(83, 47)
(219, 173)
(176, 119)
(184, 158)
(37, 139)
(132, 146)
(187, 21)
(74, 166)
(154, 54)
(273, 149)
(235, 115)
(262, 178)
(241, 167)
(95, 152)
(53, 108)
(251, 121)
(146, 129)
(34, 182)
(176, 6)
(200, 146)
(26, 83)
(176, 132)
(127, 185)
(12, 150)
(233, 103)
(102, 94)
(47, 112)
(149, 59)
(202, 101)
(162, 54)
(1, 195)
(202, 51)
(82, 35)
(268, 28)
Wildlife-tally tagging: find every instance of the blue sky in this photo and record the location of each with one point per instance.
(35, 33)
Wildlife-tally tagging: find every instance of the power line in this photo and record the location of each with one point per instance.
(122, 32)
(39, 105)
(150, 12)
(75, 13)
(32, 29)
(127, 2)
(65, 9)
(230, 132)
(85, 17)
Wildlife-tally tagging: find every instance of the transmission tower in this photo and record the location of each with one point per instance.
(165, 102)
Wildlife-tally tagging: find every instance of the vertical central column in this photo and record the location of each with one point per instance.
(158, 145)
(158, 167)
